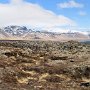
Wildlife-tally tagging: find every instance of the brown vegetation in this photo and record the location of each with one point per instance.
(40, 65)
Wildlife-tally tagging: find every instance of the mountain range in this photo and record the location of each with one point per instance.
(14, 32)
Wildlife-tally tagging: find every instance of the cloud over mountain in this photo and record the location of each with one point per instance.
(20, 12)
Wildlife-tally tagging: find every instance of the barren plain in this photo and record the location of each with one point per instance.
(44, 65)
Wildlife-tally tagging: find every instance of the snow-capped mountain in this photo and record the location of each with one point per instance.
(16, 30)
(4, 35)
(23, 33)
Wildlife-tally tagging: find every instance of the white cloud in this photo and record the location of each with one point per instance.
(82, 13)
(57, 29)
(16, 1)
(19, 12)
(70, 4)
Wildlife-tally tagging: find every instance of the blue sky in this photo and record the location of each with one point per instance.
(73, 13)
(78, 11)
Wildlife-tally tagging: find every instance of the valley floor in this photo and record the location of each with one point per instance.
(44, 65)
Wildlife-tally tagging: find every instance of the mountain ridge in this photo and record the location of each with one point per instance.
(23, 33)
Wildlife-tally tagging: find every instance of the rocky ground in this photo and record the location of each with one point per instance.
(39, 65)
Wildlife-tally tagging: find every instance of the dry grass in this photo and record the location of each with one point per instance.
(39, 65)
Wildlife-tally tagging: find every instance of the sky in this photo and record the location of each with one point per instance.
(50, 15)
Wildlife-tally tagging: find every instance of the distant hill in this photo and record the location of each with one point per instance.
(23, 33)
